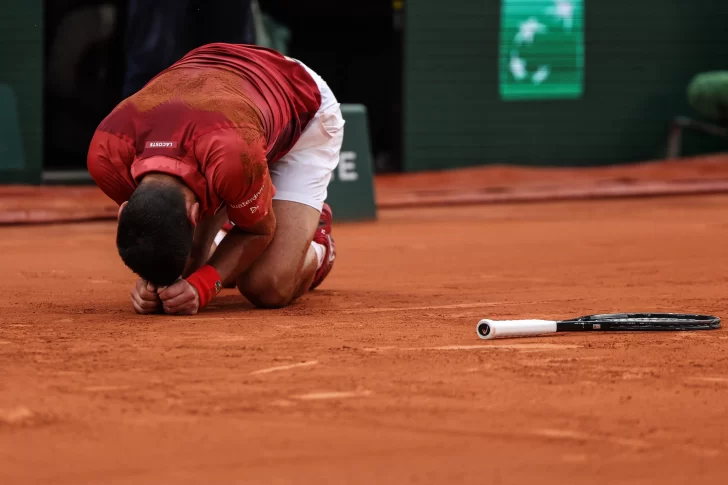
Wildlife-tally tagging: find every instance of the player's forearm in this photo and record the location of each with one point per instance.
(204, 238)
(237, 252)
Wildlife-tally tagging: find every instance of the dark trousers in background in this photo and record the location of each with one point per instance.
(160, 32)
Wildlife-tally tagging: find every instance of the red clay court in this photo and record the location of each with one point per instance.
(379, 377)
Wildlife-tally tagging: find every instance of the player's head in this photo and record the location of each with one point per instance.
(156, 227)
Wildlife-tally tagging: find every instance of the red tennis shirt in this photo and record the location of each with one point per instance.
(215, 119)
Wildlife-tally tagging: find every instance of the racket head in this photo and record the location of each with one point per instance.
(644, 322)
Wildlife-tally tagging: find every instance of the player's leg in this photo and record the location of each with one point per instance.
(302, 251)
(287, 267)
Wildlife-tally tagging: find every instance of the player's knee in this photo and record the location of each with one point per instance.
(270, 298)
(267, 292)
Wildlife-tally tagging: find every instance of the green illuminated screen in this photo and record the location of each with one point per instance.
(541, 49)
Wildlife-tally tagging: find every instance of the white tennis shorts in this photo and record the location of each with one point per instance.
(304, 173)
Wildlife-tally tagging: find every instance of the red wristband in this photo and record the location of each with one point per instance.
(207, 282)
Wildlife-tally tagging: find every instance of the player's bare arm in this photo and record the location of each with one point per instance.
(203, 243)
(241, 247)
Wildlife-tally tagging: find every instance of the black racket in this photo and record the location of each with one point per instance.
(615, 322)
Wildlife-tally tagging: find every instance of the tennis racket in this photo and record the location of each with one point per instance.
(615, 322)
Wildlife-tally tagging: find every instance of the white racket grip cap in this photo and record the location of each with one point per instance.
(490, 329)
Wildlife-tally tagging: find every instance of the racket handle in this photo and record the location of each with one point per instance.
(490, 329)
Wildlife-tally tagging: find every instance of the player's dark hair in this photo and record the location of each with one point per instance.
(155, 234)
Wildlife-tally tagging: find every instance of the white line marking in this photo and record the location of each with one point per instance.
(566, 434)
(703, 452)
(15, 415)
(445, 307)
(709, 379)
(628, 442)
(436, 307)
(106, 388)
(229, 338)
(204, 318)
(285, 367)
(562, 433)
(316, 396)
(507, 346)
(524, 347)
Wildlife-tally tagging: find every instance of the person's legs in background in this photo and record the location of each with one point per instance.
(229, 21)
(153, 32)
(160, 32)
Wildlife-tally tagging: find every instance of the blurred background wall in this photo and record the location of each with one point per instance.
(638, 58)
(21, 90)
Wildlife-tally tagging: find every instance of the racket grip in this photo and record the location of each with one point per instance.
(490, 329)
